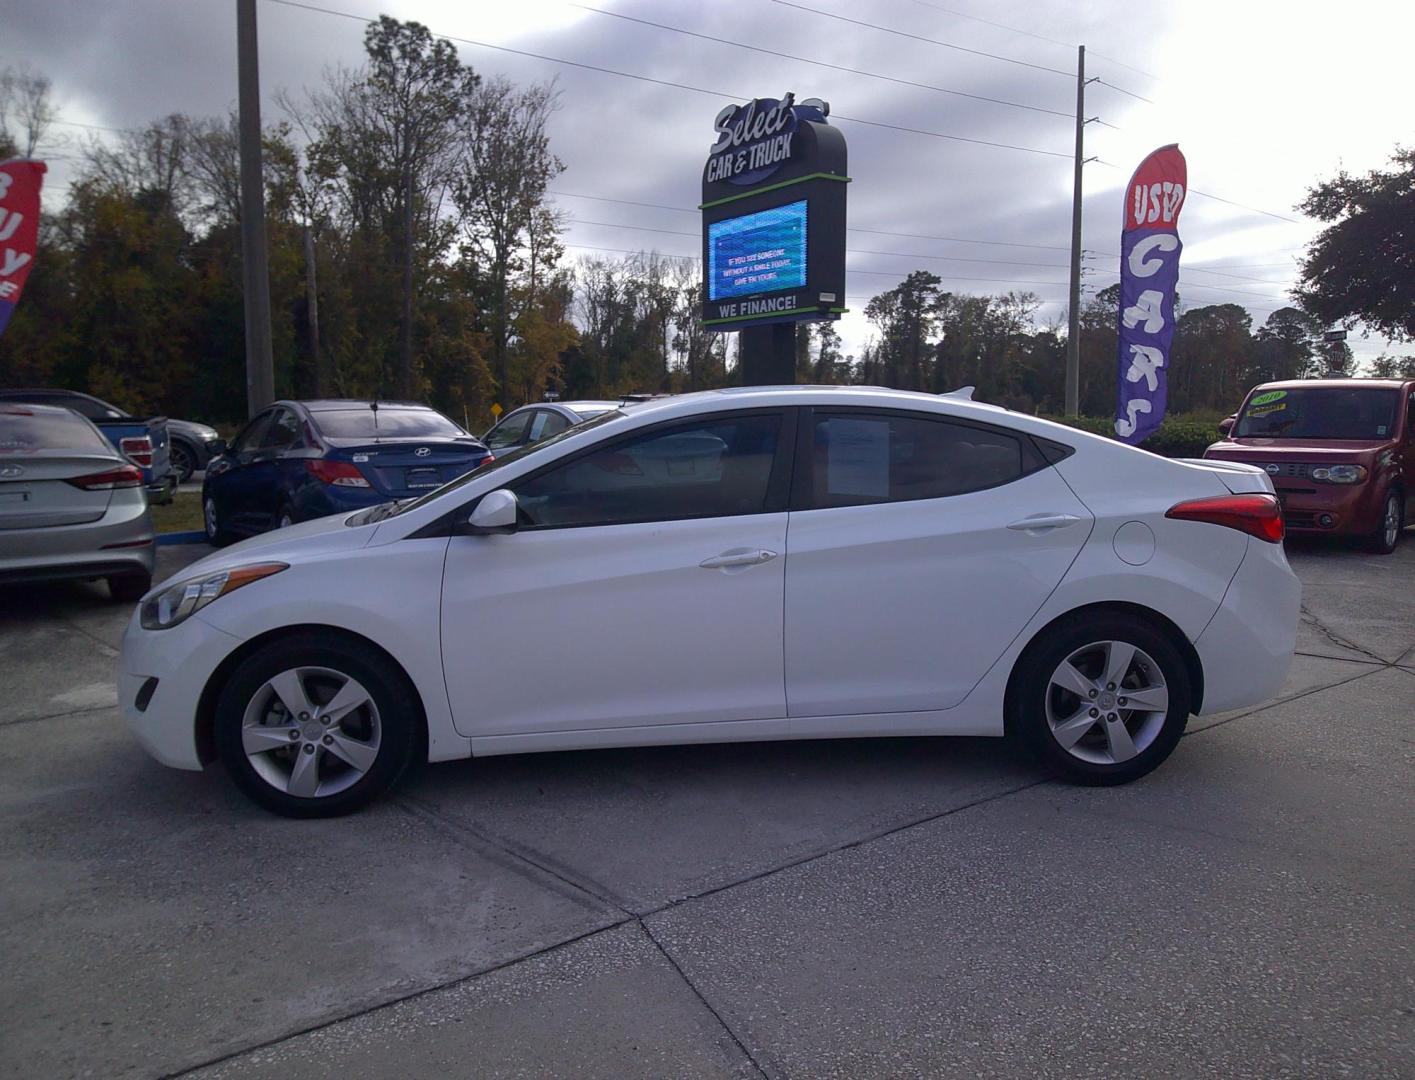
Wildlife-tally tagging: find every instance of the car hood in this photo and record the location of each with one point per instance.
(197, 432)
(321, 536)
(1278, 450)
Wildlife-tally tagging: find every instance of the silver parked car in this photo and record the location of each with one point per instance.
(71, 506)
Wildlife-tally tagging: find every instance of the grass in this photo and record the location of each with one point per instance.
(182, 514)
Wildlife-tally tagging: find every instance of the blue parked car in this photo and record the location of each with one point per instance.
(299, 460)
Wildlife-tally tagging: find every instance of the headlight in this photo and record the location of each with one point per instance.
(1339, 474)
(164, 610)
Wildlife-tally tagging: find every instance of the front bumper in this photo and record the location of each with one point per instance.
(1331, 509)
(182, 660)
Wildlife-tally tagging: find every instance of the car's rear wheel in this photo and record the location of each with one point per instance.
(1101, 699)
(314, 727)
(216, 534)
(129, 588)
(1384, 540)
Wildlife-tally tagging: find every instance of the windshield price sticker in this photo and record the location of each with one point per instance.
(1270, 396)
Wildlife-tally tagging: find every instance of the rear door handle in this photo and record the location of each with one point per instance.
(737, 558)
(1044, 522)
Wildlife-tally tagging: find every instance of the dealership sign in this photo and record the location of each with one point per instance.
(20, 180)
(1149, 276)
(773, 215)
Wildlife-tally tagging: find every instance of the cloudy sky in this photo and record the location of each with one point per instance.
(1263, 97)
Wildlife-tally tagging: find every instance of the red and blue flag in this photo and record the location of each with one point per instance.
(1149, 277)
(20, 180)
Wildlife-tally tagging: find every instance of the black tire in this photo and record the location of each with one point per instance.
(399, 717)
(129, 588)
(1031, 691)
(1383, 541)
(216, 534)
(183, 459)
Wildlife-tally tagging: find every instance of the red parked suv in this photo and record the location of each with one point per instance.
(1341, 453)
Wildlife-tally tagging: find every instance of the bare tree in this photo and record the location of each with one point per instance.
(26, 110)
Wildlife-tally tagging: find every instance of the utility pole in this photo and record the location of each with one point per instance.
(1073, 332)
(260, 366)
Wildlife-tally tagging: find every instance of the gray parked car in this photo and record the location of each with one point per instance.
(531, 423)
(71, 506)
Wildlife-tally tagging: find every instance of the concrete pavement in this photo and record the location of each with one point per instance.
(859, 908)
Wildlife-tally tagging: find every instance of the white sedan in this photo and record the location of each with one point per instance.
(844, 562)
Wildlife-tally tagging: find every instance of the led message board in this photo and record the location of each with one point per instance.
(774, 216)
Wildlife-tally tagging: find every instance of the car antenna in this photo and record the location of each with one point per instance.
(374, 406)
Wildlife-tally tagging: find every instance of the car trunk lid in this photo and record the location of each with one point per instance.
(402, 469)
(35, 492)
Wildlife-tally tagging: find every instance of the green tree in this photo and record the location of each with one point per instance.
(1360, 266)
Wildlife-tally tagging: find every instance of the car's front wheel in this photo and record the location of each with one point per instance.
(1101, 699)
(1387, 534)
(314, 726)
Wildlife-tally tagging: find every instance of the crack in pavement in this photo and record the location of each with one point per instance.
(1336, 639)
(58, 716)
(1284, 701)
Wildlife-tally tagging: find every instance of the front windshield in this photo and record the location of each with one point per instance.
(1320, 412)
(505, 459)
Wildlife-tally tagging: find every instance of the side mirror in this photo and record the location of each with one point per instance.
(1225, 426)
(215, 447)
(495, 513)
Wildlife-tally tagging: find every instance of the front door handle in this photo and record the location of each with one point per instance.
(1044, 522)
(738, 557)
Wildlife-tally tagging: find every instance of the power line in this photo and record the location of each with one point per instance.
(822, 63)
(920, 37)
(676, 85)
(1127, 93)
(852, 228)
(852, 251)
(1219, 198)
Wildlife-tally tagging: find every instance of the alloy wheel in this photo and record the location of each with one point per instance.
(1106, 702)
(1392, 521)
(208, 513)
(311, 732)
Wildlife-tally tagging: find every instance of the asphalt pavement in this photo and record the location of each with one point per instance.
(854, 909)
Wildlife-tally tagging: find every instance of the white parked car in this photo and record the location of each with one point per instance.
(856, 562)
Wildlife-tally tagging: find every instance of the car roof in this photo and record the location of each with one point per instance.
(332, 404)
(18, 393)
(24, 408)
(1343, 384)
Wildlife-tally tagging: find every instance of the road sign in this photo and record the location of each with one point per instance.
(1334, 335)
(495, 411)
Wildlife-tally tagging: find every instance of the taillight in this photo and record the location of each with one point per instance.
(338, 473)
(124, 476)
(1256, 515)
(139, 448)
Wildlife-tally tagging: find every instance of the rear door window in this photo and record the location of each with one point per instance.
(859, 458)
(283, 432)
(545, 424)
